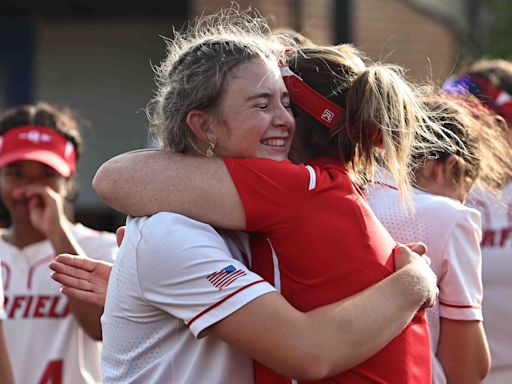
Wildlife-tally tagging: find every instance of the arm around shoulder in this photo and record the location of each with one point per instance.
(333, 338)
(142, 183)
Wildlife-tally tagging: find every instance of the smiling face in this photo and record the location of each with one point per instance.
(254, 117)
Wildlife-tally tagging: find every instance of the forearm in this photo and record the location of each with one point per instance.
(5, 364)
(327, 340)
(463, 351)
(369, 321)
(87, 315)
(143, 183)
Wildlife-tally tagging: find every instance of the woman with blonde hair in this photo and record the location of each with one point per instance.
(314, 236)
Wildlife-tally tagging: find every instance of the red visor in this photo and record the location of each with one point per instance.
(310, 101)
(33, 142)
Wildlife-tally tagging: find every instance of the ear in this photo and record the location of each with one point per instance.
(449, 165)
(378, 140)
(201, 123)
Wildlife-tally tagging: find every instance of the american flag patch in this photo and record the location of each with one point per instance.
(221, 279)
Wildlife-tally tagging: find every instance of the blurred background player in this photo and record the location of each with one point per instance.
(451, 230)
(491, 82)
(5, 364)
(49, 339)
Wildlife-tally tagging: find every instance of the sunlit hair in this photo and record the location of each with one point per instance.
(377, 100)
(290, 38)
(60, 118)
(485, 155)
(197, 70)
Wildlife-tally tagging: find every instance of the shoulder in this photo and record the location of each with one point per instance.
(443, 207)
(238, 167)
(167, 229)
(170, 224)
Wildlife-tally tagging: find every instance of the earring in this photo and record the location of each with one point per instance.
(209, 151)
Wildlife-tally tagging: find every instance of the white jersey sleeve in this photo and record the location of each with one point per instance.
(461, 290)
(186, 269)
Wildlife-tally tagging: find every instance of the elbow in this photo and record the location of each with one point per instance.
(98, 182)
(485, 366)
(101, 183)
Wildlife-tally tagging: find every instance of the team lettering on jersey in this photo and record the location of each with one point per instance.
(36, 306)
(497, 238)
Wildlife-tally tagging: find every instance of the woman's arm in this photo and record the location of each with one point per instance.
(46, 210)
(463, 351)
(333, 338)
(309, 345)
(5, 364)
(197, 187)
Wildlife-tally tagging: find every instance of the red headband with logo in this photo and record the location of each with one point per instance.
(314, 104)
(38, 143)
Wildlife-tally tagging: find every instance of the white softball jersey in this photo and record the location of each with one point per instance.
(452, 233)
(46, 344)
(2, 299)
(497, 279)
(173, 278)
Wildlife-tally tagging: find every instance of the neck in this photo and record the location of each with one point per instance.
(22, 235)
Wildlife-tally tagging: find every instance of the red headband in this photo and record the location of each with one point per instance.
(43, 144)
(309, 100)
(499, 100)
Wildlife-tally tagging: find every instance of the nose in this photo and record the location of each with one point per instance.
(284, 118)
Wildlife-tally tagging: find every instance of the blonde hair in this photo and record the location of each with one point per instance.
(197, 69)
(485, 158)
(377, 101)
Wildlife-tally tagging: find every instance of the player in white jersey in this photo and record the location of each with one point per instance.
(50, 339)
(491, 82)
(451, 231)
(497, 268)
(5, 364)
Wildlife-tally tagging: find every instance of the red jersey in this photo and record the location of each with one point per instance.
(326, 245)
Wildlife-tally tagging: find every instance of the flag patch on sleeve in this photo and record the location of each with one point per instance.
(223, 278)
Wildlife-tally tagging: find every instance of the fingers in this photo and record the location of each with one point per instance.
(78, 294)
(30, 190)
(419, 247)
(78, 262)
(402, 256)
(120, 234)
(405, 254)
(71, 281)
(70, 271)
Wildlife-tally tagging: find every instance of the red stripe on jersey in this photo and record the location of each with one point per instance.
(7, 280)
(460, 306)
(223, 300)
(34, 266)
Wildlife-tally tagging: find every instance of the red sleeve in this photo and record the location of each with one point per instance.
(272, 192)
